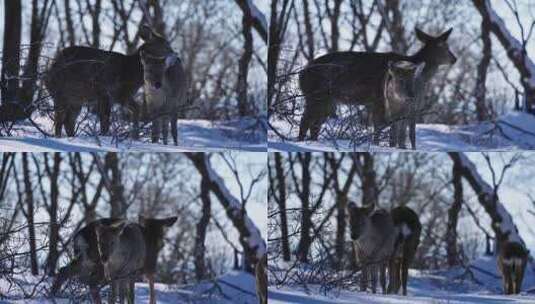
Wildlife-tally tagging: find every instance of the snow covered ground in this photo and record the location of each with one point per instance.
(437, 287)
(231, 288)
(514, 131)
(193, 135)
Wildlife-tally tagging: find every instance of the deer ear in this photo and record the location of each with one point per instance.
(423, 37)
(169, 221)
(145, 33)
(445, 35)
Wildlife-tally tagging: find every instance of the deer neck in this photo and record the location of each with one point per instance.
(133, 68)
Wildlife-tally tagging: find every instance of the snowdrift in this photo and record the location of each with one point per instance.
(513, 131)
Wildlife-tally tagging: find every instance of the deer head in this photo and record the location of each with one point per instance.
(436, 49)
(358, 219)
(154, 230)
(156, 57)
(108, 242)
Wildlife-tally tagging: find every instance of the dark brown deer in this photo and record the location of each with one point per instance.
(373, 234)
(165, 89)
(88, 76)
(356, 78)
(115, 251)
(512, 259)
(409, 229)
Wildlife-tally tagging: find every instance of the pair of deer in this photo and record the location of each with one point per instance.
(88, 76)
(115, 251)
(390, 85)
(382, 240)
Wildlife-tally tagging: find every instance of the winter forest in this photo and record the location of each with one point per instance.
(267, 151)
(476, 90)
(104, 101)
(465, 208)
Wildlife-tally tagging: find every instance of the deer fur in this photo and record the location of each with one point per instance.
(261, 280)
(373, 234)
(409, 229)
(512, 260)
(83, 76)
(356, 78)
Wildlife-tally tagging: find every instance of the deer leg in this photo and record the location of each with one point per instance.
(150, 277)
(104, 112)
(373, 274)
(506, 276)
(363, 277)
(519, 276)
(404, 275)
(382, 276)
(155, 130)
(112, 296)
(134, 108)
(393, 138)
(131, 291)
(70, 121)
(59, 120)
(305, 122)
(174, 129)
(95, 295)
(165, 127)
(402, 134)
(412, 132)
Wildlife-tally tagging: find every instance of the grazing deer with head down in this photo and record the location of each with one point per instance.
(88, 76)
(356, 78)
(116, 251)
(373, 234)
(165, 87)
(512, 260)
(407, 241)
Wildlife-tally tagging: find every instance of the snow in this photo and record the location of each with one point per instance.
(254, 239)
(516, 45)
(193, 135)
(233, 287)
(512, 131)
(257, 14)
(441, 286)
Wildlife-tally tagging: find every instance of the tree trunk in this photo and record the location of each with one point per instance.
(202, 227)
(11, 51)
(481, 88)
(453, 217)
(29, 213)
(254, 246)
(305, 240)
(334, 15)
(68, 20)
(516, 52)
(53, 237)
(281, 201)
(245, 59)
(369, 186)
(117, 201)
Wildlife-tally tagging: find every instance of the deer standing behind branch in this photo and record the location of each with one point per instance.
(373, 234)
(409, 229)
(400, 91)
(115, 251)
(356, 78)
(165, 93)
(83, 76)
(512, 260)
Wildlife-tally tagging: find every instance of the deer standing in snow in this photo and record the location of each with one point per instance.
(356, 78)
(512, 259)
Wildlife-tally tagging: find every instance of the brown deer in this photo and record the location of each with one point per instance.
(165, 88)
(116, 251)
(356, 78)
(88, 76)
(400, 100)
(409, 229)
(373, 234)
(512, 259)
(261, 280)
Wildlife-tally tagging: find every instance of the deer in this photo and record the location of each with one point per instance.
(400, 94)
(356, 78)
(409, 229)
(373, 234)
(116, 251)
(512, 260)
(81, 76)
(261, 280)
(165, 88)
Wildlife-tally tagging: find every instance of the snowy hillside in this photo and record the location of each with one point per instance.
(514, 131)
(482, 284)
(193, 135)
(233, 287)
